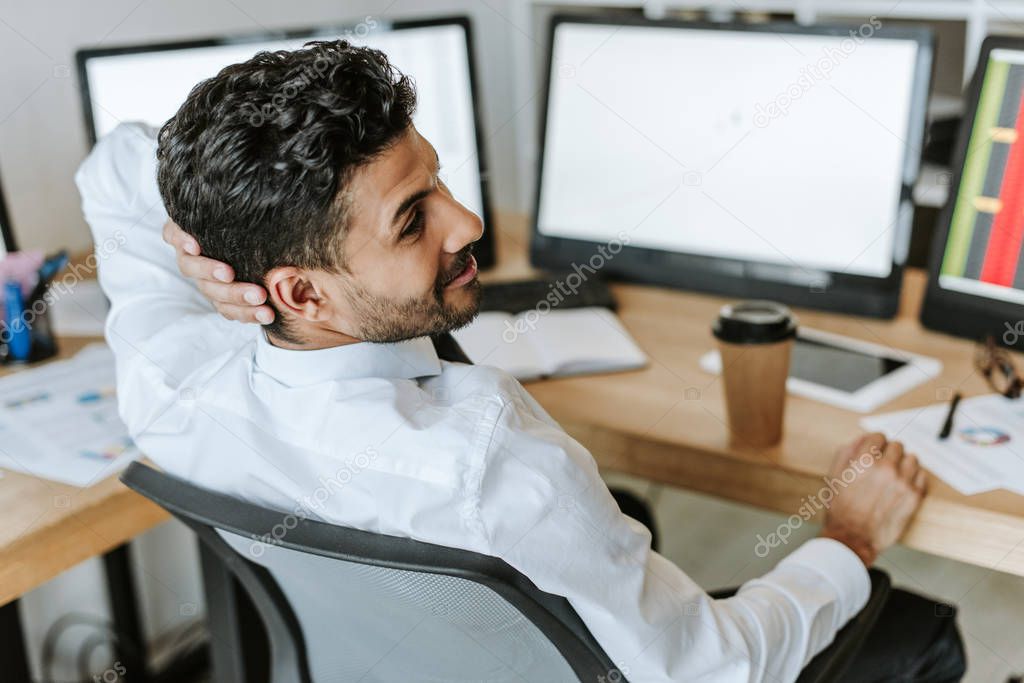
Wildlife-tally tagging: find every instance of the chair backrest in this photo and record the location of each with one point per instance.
(345, 604)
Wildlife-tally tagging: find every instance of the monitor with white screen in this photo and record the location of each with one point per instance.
(976, 288)
(751, 160)
(149, 82)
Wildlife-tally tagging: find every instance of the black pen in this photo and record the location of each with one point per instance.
(947, 426)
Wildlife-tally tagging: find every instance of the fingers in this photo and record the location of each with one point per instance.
(179, 239)
(866, 443)
(873, 443)
(202, 268)
(911, 472)
(263, 315)
(909, 467)
(190, 262)
(235, 301)
(238, 301)
(237, 293)
(874, 440)
(893, 454)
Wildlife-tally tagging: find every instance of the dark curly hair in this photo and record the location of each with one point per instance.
(256, 161)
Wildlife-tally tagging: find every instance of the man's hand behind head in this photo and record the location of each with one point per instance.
(234, 300)
(878, 490)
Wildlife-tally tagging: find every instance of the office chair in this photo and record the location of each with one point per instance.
(342, 604)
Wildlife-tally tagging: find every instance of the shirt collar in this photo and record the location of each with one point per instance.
(399, 360)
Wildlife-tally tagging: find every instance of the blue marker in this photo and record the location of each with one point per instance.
(16, 331)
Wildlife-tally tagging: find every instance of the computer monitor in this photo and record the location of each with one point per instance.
(976, 279)
(149, 82)
(6, 232)
(770, 161)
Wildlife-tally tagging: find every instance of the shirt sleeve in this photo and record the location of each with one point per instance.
(546, 511)
(160, 327)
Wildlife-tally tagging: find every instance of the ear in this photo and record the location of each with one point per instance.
(295, 291)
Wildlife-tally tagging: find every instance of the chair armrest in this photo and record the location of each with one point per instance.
(830, 663)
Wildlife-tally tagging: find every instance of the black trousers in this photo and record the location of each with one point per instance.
(916, 639)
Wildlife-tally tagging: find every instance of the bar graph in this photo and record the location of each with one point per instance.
(986, 234)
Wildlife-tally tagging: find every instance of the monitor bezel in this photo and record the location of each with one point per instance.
(484, 249)
(6, 231)
(951, 311)
(847, 293)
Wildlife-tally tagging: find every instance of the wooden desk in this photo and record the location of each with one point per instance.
(50, 527)
(667, 422)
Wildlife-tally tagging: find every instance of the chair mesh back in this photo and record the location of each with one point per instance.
(369, 623)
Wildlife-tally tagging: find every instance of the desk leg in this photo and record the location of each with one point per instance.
(130, 648)
(13, 654)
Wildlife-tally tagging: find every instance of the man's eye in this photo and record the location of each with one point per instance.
(415, 225)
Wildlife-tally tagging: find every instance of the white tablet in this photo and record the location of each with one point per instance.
(845, 372)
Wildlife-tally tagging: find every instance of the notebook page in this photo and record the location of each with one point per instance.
(492, 339)
(582, 340)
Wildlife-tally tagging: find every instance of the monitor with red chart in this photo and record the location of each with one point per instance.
(976, 288)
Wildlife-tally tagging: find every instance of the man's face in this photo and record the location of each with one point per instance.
(410, 271)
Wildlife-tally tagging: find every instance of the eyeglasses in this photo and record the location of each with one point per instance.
(995, 363)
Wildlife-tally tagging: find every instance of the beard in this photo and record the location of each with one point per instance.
(386, 320)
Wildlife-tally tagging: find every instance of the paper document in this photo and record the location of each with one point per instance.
(984, 451)
(59, 421)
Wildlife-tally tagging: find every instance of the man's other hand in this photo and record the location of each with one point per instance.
(234, 300)
(878, 490)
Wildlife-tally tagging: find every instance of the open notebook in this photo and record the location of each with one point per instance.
(532, 345)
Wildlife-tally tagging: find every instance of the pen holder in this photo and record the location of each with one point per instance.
(26, 335)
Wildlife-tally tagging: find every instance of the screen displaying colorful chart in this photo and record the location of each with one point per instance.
(984, 249)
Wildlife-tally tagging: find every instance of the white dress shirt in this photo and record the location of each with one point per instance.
(388, 438)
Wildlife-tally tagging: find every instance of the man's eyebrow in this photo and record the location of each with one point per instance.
(415, 197)
(408, 202)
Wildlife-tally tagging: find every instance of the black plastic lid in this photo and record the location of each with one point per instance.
(755, 322)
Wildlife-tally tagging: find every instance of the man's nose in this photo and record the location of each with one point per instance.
(464, 227)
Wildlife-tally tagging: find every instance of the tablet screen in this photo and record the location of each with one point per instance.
(836, 367)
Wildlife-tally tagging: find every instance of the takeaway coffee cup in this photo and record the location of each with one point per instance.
(755, 339)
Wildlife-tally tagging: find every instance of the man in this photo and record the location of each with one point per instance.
(332, 212)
